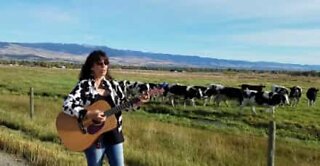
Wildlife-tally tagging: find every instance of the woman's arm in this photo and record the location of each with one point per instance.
(116, 86)
(74, 103)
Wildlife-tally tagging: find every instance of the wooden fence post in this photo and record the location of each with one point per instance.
(31, 103)
(272, 143)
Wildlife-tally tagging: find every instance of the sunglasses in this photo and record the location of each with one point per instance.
(105, 63)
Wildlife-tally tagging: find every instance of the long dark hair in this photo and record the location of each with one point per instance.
(93, 57)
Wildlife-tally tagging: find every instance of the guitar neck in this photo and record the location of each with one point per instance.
(130, 103)
(121, 107)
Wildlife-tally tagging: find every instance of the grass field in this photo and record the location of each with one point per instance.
(158, 134)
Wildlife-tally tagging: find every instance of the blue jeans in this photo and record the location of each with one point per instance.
(114, 153)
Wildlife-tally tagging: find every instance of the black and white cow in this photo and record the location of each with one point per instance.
(258, 88)
(281, 90)
(203, 89)
(124, 84)
(228, 93)
(254, 98)
(212, 91)
(165, 86)
(133, 89)
(295, 95)
(182, 91)
(312, 95)
(136, 88)
(155, 86)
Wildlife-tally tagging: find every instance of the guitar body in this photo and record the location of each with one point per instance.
(72, 136)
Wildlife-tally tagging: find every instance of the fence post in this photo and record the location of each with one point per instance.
(31, 103)
(272, 143)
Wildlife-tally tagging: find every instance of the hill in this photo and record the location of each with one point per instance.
(77, 53)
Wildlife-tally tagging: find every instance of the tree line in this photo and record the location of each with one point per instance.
(77, 65)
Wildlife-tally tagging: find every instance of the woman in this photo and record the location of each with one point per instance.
(96, 83)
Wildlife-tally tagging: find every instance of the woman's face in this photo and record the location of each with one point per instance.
(100, 68)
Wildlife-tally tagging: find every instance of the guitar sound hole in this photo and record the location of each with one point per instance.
(94, 128)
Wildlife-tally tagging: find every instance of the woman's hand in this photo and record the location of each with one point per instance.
(96, 116)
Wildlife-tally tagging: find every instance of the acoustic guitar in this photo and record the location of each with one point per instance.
(79, 135)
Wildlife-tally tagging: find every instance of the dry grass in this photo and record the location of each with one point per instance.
(150, 140)
(175, 145)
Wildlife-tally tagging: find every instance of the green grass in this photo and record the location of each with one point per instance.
(46, 82)
(158, 134)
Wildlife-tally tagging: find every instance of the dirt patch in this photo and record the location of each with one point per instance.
(11, 160)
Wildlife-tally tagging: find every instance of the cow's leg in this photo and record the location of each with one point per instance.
(220, 98)
(217, 100)
(193, 102)
(185, 99)
(211, 99)
(172, 101)
(161, 99)
(287, 102)
(226, 102)
(273, 109)
(253, 108)
(206, 101)
(241, 108)
(311, 103)
(294, 102)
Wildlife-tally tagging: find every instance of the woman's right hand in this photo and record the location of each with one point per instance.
(96, 115)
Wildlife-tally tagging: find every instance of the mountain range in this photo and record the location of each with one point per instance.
(77, 53)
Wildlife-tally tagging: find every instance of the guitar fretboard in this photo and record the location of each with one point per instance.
(121, 107)
(130, 103)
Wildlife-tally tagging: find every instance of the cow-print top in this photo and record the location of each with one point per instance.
(85, 93)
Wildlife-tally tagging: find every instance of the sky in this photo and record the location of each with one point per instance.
(286, 31)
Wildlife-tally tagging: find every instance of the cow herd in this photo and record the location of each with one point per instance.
(244, 95)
